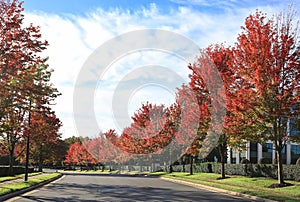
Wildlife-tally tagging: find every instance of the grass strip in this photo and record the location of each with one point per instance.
(22, 185)
(8, 178)
(256, 186)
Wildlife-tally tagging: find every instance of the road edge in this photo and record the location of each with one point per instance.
(218, 190)
(28, 189)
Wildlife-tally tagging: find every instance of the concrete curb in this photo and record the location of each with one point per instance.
(23, 191)
(200, 186)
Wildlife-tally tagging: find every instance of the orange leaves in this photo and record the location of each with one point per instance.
(44, 127)
(78, 155)
(150, 132)
(267, 55)
(24, 78)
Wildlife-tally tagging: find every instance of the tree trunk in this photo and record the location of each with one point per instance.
(222, 151)
(171, 169)
(11, 162)
(223, 166)
(40, 159)
(191, 167)
(279, 163)
(183, 165)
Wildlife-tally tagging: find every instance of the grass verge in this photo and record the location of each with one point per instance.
(8, 178)
(256, 186)
(22, 185)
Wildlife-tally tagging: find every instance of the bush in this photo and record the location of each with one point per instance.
(298, 162)
(290, 172)
(245, 161)
(17, 170)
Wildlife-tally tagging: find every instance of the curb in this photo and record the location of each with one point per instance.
(200, 186)
(23, 191)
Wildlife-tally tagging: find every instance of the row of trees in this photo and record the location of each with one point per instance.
(26, 94)
(261, 87)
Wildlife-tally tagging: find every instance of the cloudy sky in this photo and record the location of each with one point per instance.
(76, 29)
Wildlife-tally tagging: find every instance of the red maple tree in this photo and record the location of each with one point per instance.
(267, 56)
(152, 130)
(77, 155)
(19, 48)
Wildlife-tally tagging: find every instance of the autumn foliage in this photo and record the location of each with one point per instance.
(267, 57)
(78, 155)
(236, 94)
(152, 129)
(245, 92)
(24, 75)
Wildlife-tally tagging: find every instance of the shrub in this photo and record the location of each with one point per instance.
(245, 161)
(298, 162)
(17, 170)
(290, 172)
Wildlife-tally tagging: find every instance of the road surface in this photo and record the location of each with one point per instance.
(96, 187)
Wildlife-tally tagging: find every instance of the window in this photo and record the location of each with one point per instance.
(293, 128)
(283, 151)
(295, 149)
(268, 147)
(253, 146)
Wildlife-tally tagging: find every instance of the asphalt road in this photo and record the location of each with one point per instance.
(91, 187)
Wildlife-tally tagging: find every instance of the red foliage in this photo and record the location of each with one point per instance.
(78, 155)
(152, 130)
(267, 56)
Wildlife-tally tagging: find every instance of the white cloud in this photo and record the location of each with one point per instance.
(73, 38)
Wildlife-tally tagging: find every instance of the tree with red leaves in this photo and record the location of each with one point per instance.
(44, 138)
(152, 130)
(77, 155)
(101, 149)
(44, 135)
(24, 76)
(193, 123)
(212, 75)
(267, 55)
(19, 61)
(222, 58)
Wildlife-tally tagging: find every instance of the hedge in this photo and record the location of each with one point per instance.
(4, 170)
(290, 172)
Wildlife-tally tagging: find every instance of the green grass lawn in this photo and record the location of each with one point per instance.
(3, 179)
(21, 185)
(257, 186)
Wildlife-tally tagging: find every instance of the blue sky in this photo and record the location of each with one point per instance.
(84, 6)
(76, 28)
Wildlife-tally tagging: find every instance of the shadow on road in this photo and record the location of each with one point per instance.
(110, 175)
(76, 192)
